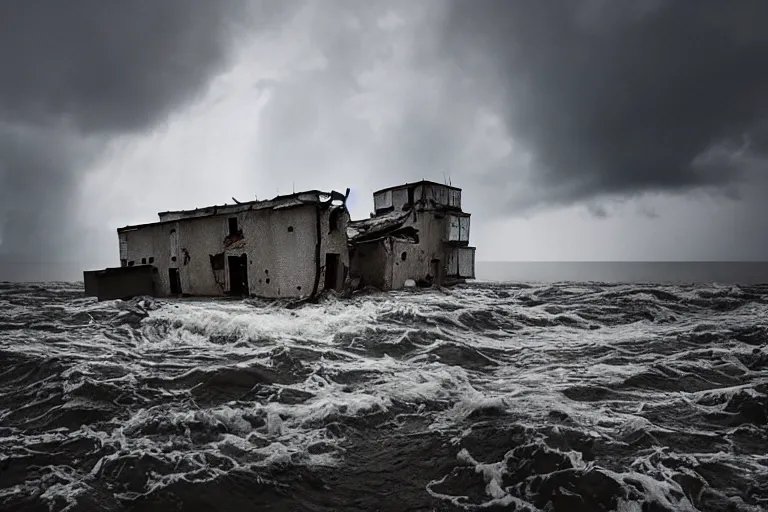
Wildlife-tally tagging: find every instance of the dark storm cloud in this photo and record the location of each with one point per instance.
(75, 74)
(622, 97)
(107, 66)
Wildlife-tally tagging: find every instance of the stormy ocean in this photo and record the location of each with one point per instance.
(564, 396)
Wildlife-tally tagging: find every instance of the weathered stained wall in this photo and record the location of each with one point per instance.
(409, 261)
(372, 263)
(280, 246)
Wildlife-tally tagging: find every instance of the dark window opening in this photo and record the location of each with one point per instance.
(266, 271)
(151, 259)
(143, 261)
(403, 256)
(232, 226)
(175, 280)
(173, 258)
(123, 263)
(333, 220)
(290, 229)
(267, 280)
(130, 263)
(298, 288)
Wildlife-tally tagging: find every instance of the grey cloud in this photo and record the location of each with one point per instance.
(597, 210)
(621, 96)
(107, 66)
(79, 72)
(383, 107)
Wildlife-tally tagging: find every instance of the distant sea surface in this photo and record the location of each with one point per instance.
(674, 272)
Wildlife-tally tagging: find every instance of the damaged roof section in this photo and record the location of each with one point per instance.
(332, 198)
(279, 202)
(381, 226)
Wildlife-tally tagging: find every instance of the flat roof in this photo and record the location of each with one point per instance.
(307, 196)
(422, 182)
(276, 203)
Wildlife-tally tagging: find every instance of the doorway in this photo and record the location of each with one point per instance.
(175, 280)
(238, 275)
(331, 271)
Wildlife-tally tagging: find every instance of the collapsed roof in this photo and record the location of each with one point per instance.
(276, 203)
(381, 226)
(327, 199)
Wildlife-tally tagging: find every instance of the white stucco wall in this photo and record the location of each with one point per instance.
(281, 261)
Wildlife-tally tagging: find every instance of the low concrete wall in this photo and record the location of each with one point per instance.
(120, 282)
(91, 282)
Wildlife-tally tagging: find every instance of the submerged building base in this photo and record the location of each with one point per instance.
(120, 282)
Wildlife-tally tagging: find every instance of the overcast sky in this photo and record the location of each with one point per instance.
(578, 130)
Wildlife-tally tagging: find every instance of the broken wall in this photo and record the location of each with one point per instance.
(372, 263)
(409, 261)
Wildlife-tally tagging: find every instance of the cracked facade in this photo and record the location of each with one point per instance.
(294, 246)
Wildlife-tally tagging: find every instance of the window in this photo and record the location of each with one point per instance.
(382, 200)
(143, 261)
(151, 259)
(458, 228)
(454, 198)
(232, 226)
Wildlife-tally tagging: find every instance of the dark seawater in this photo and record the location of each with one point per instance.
(653, 272)
(557, 397)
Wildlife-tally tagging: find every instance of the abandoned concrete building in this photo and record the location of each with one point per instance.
(290, 246)
(418, 232)
(294, 246)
